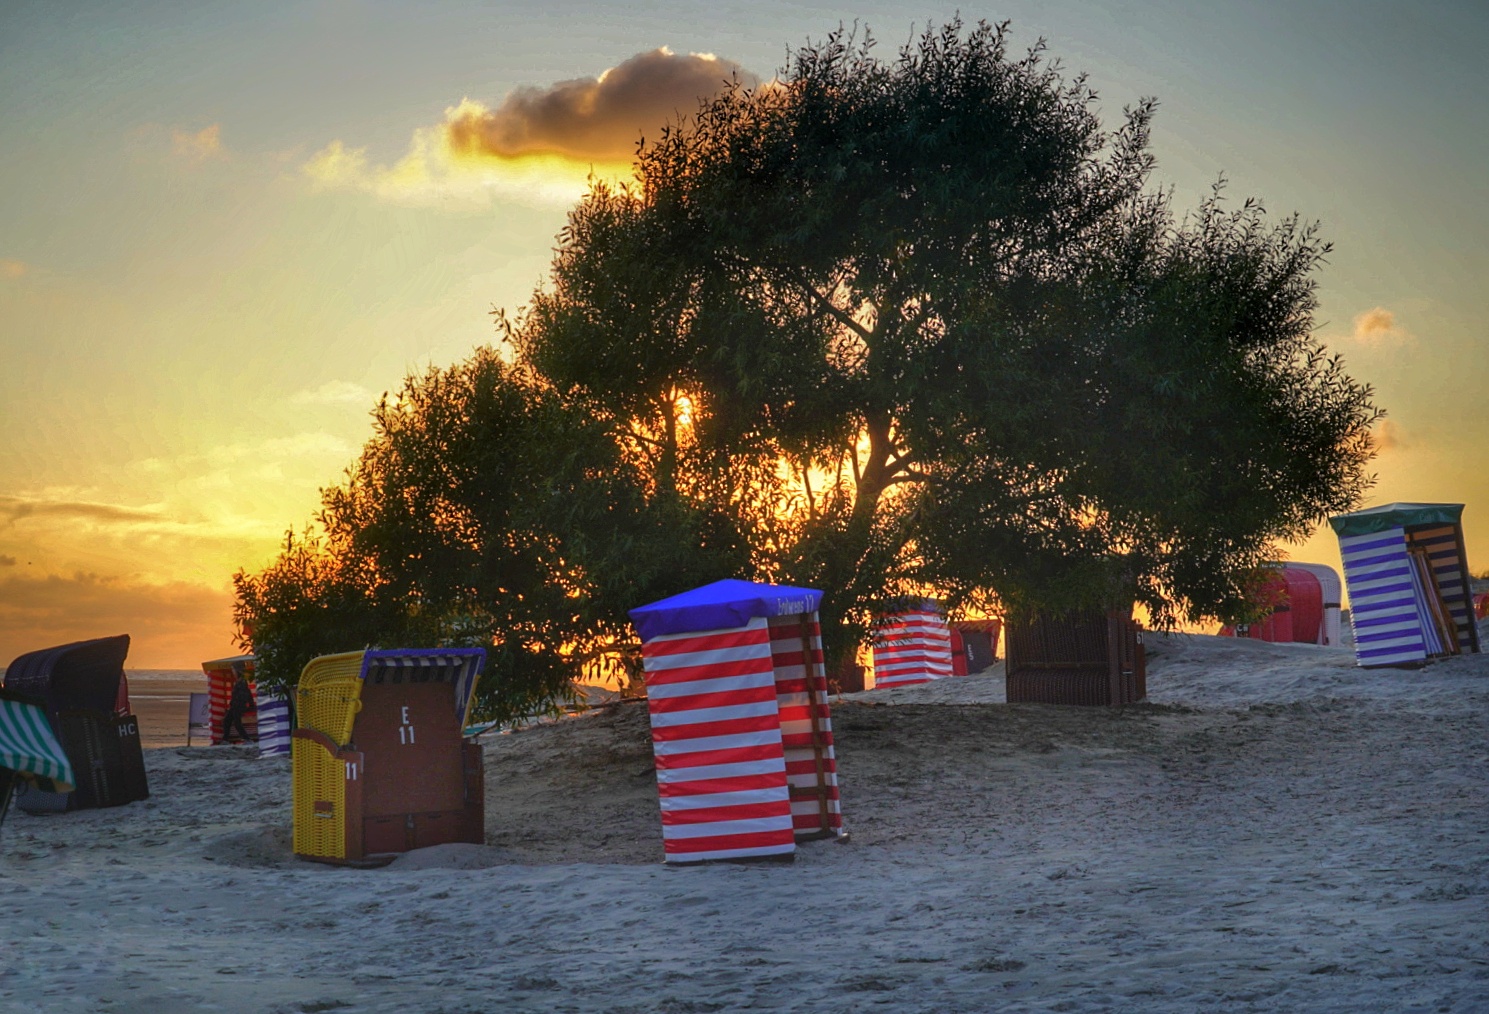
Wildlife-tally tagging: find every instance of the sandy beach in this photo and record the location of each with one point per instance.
(1274, 830)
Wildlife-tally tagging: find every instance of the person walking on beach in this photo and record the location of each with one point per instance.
(239, 703)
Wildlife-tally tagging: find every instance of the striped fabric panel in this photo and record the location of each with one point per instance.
(28, 745)
(1442, 550)
(274, 726)
(910, 648)
(1378, 573)
(797, 699)
(716, 735)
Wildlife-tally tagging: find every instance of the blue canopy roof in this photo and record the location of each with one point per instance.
(722, 605)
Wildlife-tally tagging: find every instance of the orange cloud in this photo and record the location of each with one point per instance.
(1377, 326)
(539, 144)
(200, 146)
(12, 268)
(173, 625)
(593, 118)
(1390, 436)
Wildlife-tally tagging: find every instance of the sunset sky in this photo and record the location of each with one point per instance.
(225, 229)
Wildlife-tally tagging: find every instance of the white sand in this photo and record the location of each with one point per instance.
(1275, 830)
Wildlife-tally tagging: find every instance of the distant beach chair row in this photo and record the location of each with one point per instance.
(737, 696)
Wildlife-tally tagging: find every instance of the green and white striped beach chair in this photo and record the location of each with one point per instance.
(29, 751)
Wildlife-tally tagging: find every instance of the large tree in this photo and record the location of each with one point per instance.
(994, 365)
(878, 327)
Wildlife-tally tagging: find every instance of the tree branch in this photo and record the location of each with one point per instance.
(838, 314)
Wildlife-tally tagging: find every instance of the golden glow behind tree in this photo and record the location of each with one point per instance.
(877, 327)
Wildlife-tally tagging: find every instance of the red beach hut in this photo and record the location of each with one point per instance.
(1304, 599)
(741, 731)
(221, 674)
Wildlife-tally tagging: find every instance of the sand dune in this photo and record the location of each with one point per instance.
(1274, 830)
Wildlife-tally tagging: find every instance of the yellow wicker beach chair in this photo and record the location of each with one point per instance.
(380, 764)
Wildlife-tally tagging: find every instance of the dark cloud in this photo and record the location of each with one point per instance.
(172, 625)
(15, 508)
(599, 118)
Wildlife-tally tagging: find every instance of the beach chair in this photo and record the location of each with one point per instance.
(1409, 588)
(78, 686)
(380, 765)
(1090, 658)
(741, 731)
(29, 752)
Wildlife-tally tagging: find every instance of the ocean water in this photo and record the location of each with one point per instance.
(165, 684)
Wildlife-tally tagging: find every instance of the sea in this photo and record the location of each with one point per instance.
(161, 700)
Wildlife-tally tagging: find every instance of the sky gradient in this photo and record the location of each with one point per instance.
(225, 231)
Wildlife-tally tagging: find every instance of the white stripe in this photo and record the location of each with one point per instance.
(716, 685)
(742, 797)
(1354, 540)
(1414, 638)
(720, 828)
(713, 656)
(1367, 581)
(1386, 628)
(810, 807)
(1383, 600)
(677, 747)
(1378, 660)
(707, 772)
(808, 780)
(697, 716)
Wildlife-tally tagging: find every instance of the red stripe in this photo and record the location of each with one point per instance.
(728, 727)
(809, 766)
(710, 671)
(785, 658)
(814, 821)
(717, 699)
(792, 629)
(711, 642)
(733, 755)
(711, 814)
(756, 839)
(918, 654)
(734, 783)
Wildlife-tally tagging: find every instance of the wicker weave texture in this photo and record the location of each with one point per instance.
(319, 777)
(329, 695)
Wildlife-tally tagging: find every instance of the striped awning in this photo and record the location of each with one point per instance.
(459, 666)
(28, 746)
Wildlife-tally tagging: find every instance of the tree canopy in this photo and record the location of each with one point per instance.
(882, 328)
